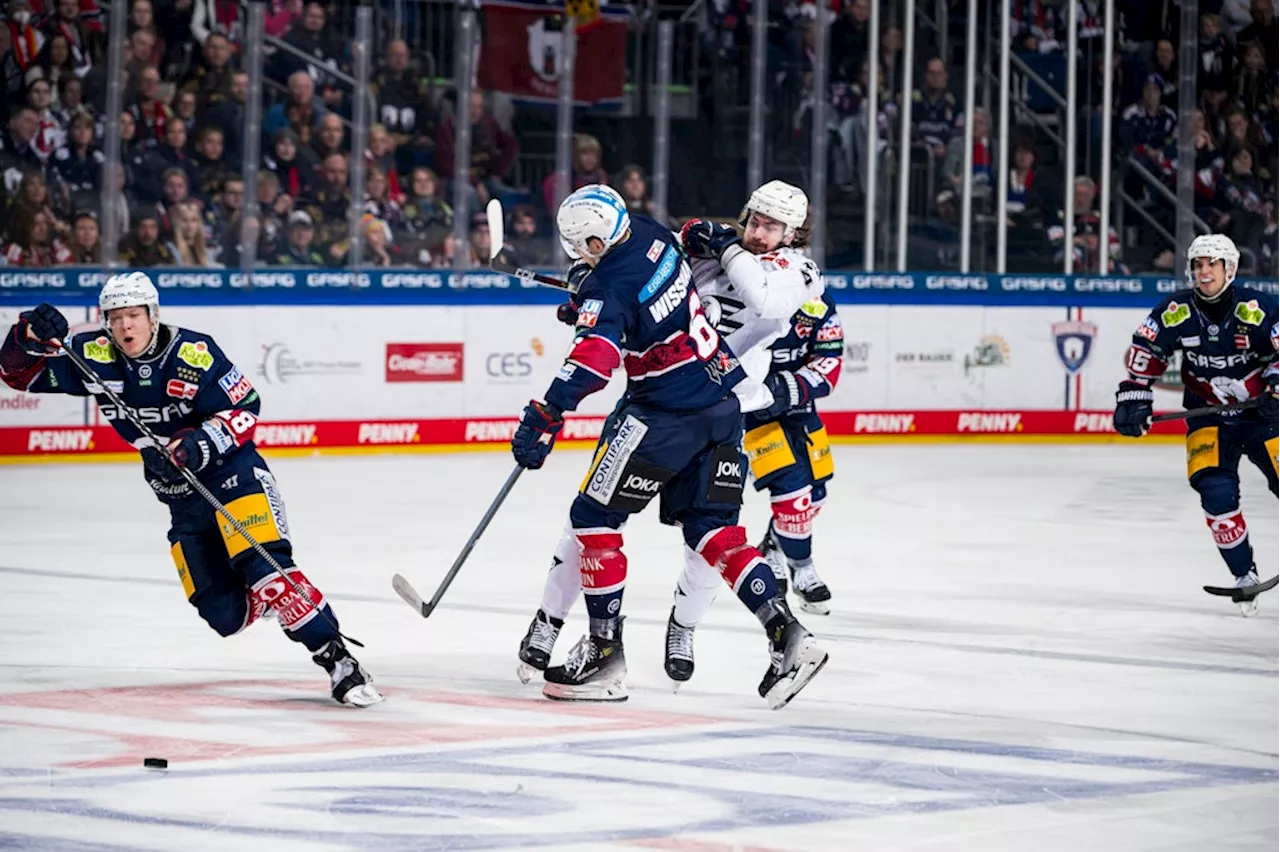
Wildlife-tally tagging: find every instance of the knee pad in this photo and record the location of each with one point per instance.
(604, 565)
(227, 613)
(793, 513)
(1219, 491)
(727, 551)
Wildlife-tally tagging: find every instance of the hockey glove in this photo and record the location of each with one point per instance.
(42, 324)
(567, 313)
(536, 434)
(192, 449)
(788, 392)
(1269, 409)
(158, 466)
(1133, 409)
(702, 238)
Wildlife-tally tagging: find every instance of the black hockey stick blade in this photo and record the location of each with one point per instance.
(1231, 408)
(1246, 594)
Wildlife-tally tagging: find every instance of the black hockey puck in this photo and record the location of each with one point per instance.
(155, 763)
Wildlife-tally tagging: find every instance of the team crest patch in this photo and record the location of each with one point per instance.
(589, 314)
(1075, 341)
(196, 354)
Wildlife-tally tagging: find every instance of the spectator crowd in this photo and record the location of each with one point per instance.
(181, 198)
(1235, 139)
(180, 179)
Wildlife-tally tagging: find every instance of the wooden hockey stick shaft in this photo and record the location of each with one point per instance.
(406, 591)
(196, 484)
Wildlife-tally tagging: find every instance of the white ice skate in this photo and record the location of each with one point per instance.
(1248, 608)
(813, 594)
(352, 685)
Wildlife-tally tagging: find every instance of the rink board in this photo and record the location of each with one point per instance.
(442, 377)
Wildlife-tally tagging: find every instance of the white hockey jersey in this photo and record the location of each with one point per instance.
(751, 303)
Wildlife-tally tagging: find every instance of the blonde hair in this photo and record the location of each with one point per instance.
(191, 252)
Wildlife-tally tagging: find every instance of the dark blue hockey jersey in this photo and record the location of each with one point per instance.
(639, 309)
(814, 348)
(188, 383)
(1228, 348)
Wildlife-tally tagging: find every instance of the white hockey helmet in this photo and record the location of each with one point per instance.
(1215, 247)
(596, 211)
(781, 201)
(129, 290)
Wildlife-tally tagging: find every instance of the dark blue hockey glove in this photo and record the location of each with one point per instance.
(703, 238)
(536, 434)
(45, 323)
(577, 274)
(191, 449)
(1269, 409)
(1133, 409)
(158, 466)
(789, 393)
(567, 313)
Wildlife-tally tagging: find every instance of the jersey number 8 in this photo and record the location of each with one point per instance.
(705, 339)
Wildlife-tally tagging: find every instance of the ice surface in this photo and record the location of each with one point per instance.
(1021, 659)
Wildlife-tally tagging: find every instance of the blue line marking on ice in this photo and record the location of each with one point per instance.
(807, 753)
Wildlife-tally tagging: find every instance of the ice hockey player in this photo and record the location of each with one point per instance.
(676, 432)
(785, 440)
(1227, 334)
(750, 296)
(181, 385)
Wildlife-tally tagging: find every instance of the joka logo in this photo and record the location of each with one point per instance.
(1075, 342)
(645, 486)
(730, 470)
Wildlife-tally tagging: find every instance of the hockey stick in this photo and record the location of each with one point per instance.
(410, 595)
(194, 482)
(1229, 408)
(497, 233)
(1247, 593)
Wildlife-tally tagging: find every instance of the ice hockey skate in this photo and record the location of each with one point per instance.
(807, 586)
(796, 658)
(352, 685)
(595, 670)
(1245, 591)
(537, 644)
(679, 656)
